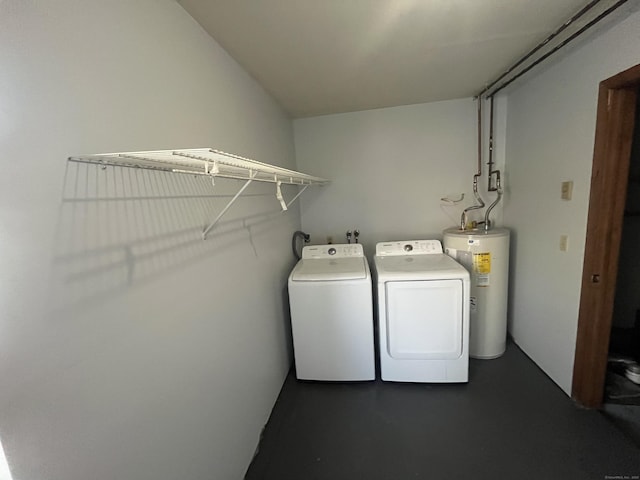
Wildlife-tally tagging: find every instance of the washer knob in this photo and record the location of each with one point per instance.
(408, 248)
(332, 251)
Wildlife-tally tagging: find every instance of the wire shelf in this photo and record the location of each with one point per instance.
(203, 161)
(210, 162)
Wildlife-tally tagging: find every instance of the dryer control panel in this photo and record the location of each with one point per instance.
(409, 247)
(333, 251)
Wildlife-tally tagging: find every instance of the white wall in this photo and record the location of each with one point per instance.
(130, 348)
(551, 126)
(389, 169)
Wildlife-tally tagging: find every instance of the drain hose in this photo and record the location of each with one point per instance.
(294, 242)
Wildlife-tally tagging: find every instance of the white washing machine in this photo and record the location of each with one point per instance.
(331, 302)
(423, 313)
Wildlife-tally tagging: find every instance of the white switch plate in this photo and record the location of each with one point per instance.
(564, 243)
(567, 190)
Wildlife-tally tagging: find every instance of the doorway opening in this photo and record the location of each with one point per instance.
(622, 382)
(615, 126)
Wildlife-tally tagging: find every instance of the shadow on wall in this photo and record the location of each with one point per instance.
(119, 227)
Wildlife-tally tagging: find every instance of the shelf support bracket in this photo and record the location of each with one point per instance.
(213, 171)
(279, 195)
(252, 175)
(297, 195)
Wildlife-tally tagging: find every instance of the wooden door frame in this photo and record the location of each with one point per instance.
(611, 156)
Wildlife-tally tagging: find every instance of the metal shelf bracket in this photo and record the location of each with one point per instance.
(279, 196)
(231, 202)
(297, 195)
(213, 171)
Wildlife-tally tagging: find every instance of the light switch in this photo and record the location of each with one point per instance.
(564, 243)
(567, 190)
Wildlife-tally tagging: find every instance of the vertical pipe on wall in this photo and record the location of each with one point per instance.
(479, 172)
(492, 173)
(479, 203)
(490, 185)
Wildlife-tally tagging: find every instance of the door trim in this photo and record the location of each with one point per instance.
(609, 176)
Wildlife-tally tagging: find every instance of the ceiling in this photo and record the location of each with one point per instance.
(317, 57)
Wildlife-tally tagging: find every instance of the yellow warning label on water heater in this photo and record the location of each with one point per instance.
(482, 263)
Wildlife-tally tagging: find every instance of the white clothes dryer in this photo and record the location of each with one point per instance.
(331, 303)
(423, 313)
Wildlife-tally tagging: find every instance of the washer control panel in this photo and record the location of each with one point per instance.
(333, 251)
(409, 247)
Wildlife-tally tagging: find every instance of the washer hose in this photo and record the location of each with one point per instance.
(294, 239)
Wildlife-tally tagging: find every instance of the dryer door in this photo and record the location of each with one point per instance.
(424, 319)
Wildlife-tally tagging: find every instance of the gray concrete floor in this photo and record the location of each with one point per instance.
(626, 418)
(509, 422)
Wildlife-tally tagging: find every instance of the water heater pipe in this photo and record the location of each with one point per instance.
(495, 87)
(492, 173)
(487, 222)
(510, 76)
(479, 203)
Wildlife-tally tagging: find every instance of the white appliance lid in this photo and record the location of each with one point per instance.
(327, 269)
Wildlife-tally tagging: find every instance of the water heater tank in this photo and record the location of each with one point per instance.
(486, 255)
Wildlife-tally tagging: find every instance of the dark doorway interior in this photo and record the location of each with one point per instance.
(622, 393)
